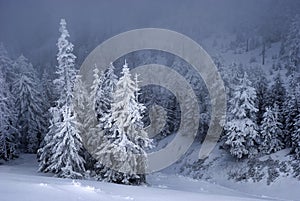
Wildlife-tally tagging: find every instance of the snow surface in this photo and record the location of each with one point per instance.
(21, 182)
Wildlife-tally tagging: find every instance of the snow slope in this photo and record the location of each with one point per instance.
(19, 181)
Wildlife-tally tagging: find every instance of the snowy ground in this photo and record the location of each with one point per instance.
(19, 181)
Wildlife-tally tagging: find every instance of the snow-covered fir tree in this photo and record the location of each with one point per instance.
(63, 144)
(47, 89)
(99, 105)
(93, 125)
(271, 131)
(241, 129)
(97, 94)
(123, 150)
(86, 116)
(263, 96)
(278, 96)
(278, 93)
(29, 106)
(291, 109)
(21, 65)
(81, 103)
(105, 97)
(8, 131)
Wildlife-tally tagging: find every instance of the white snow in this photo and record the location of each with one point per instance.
(20, 181)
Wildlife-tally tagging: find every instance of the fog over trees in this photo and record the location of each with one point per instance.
(46, 109)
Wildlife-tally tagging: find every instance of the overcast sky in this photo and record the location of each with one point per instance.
(31, 26)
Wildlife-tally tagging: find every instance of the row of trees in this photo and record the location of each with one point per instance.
(23, 109)
(106, 119)
(264, 118)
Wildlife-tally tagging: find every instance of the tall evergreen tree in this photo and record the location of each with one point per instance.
(47, 89)
(97, 94)
(241, 129)
(8, 130)
(108, 87)
(123, 151)
(271, 131)
(29, 105)
(278, 96)
(262, 97)
(291, 110)
(63, 141)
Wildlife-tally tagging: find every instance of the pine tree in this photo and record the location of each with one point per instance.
(47, 89)
(29, 105)
(241, 129)
(97, 94)
(81, 103)
(8, 130)
(108, 86)
(262, 97)
(86, 116)
(63, 144)
(123, 151)
(291, 110)
(271, 131)
(278, 96)
(93, 125)
(21, 65)
(278, 93)
(45, 152)
(101, 99)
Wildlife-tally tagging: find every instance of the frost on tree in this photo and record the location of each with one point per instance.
(96, 94)
(91, 123)
(271, 131)
(29, 106)
(105, 98)
(8, 131)
(62, 149)
(99, 106)
(241, 128)
(103, 86)
(86, 117)
(123, 150)
(291, 109)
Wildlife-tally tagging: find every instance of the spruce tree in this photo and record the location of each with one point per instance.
(263, 97)
(8, 118)
(29, 106)
(271, 131)
(241, 129)
(108, 86)
(63, 144)
(123, 150)
(291, 110)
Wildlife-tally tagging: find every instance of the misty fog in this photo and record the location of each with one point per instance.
(31, 27)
